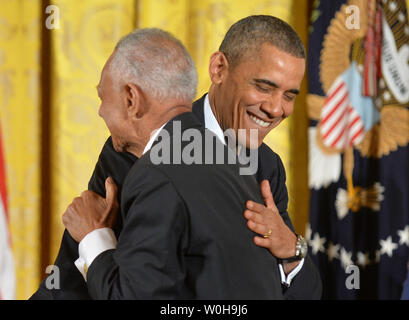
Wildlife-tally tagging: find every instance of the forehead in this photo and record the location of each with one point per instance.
(269, 62)
(105, 73)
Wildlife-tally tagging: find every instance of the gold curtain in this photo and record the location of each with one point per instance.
(20, 114)
(48, 103)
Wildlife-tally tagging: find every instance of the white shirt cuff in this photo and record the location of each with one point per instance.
(286, 280)
(93, 244)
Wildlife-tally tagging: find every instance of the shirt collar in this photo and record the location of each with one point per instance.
(210, 120)
(154, 134)
(210, 124)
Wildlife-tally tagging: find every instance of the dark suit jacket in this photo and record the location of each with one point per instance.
(184, 235)
(306, 285)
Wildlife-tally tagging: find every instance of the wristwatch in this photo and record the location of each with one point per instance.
(301, 250)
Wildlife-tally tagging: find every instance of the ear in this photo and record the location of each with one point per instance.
(218, 67)
(136, 106)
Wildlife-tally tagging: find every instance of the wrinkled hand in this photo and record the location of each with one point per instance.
(265, 220)
(91, 211)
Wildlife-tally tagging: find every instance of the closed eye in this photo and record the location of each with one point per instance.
(264, 85)
(289, 97)
(263, 89)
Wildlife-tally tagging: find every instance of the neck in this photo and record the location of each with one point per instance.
(213, 106)
(172, 112)
(159, 120)
(135, 149)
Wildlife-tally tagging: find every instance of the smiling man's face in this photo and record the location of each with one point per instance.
(259, 92)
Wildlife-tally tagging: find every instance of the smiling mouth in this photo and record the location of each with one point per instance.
(258, 121)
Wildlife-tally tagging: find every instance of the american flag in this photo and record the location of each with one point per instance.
(341, 126)
(7, 279)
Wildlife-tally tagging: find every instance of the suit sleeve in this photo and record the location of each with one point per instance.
(148, 262)
(307, 283)
(279, 191)
(72, 284)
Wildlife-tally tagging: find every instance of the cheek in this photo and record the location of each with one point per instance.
(104, 113)
(253, 97)
(112, 123)
(107, 121)
(288, 109)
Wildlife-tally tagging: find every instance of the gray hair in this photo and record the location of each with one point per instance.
(248, 34)
(157, 62)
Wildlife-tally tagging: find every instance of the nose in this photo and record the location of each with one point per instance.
(273, 107)
(100, 111)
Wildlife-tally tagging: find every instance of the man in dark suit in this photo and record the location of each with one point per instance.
(259, 95)
(184, 235)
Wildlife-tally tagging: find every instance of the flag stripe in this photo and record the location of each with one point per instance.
(335, 108)
(3, 192)
(325, 126)
(7, 279)
(338, 137)
(357, 135)
(340, 117)
(334, 92)
(331, 100)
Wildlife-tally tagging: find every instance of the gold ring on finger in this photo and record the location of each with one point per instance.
(268, 234)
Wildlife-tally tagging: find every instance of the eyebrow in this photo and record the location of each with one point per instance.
(274, 85)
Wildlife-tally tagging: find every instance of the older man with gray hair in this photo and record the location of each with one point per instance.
(153, 72)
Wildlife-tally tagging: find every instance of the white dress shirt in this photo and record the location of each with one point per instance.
(100, 240)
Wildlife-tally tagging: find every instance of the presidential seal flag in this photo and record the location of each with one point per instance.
(358, 105)
(7, 278)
